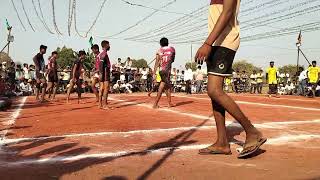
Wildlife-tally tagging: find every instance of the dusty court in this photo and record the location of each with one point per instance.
(133, 141)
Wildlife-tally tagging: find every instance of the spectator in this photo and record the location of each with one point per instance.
(122, 77)
(118, 64)
(188, 79)
(116, 87)
(199, 80)
(19, 73)
(115, 74)
(289, 88)
(260, 81)
(302, 79)
(174, 76)
(25, 87)
(32, 72)
(128, 64)
(253, 79)
(236, 80)
(144, 77)
(65, 78)
(179, 76)
(26, 71)
(149, 80)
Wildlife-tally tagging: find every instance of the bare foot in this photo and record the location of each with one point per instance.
(216, 149)
(149, 94)
(155, 106)
(170, 105)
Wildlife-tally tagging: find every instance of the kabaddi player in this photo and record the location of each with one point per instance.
(272, 76)
(104, 75)
(313, 77)
(95, 78)
(40, 70)
(52, 75)
(218, 51)
(164, 59)
(75, 75)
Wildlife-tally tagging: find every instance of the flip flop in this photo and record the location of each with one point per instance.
(208, 151)
(247, 151)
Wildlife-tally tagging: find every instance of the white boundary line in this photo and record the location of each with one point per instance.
(281, 140)
(269, 125)
(12, 118)
(260, 104)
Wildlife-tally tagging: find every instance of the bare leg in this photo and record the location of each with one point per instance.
(43, 90)
(55, 86)
(101, 94)
(160, 91)
(49, 88)
(94, 89)
(105, 95)
(215, 92)
(168, 94)
(79, 90)
(69, 90)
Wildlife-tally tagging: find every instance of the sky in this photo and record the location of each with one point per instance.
(116, 16)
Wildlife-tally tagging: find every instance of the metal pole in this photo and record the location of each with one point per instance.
(191, 55)
(304, 56)
(9, 34)
(298, 57)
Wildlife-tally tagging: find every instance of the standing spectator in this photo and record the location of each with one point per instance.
(19, 73)
(144, 77)
(174, 76)
(253, 79)
(149, 80)
(236, 80)
(32, 72)
(272, 76)
(26, 71)
(199, 79)
(313, 76)
(303, 79)
(65, 78)
(128, 63)
(260, 81)
(179, 76)
(115, 74)
(188, 79)
(119, 64)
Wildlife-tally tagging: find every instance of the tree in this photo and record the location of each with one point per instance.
(140, 63)
(5, 58)
(291, 69)
(193, 66)
(243, 65)
(66, 57)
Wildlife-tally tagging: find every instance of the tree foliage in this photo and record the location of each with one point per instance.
(140, 63)
(193, 66)
(291, 69)
(243, 65)
(66, 57)
(5, 58)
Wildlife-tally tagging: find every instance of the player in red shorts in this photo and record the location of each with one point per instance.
(164, 59)
(52, 75)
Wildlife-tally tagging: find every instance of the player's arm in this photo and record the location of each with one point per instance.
(74, 70)
(36, 63)
(101, 68)
(227, 12)
(156, 65)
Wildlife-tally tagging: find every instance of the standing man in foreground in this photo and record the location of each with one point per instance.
(219, 51)
(313, 77)
(272, 76)
(95, 78)
(75, 75)
(40, 65)
(104, 75)
(164, 59)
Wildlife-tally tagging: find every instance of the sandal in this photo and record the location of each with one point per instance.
(251, 149)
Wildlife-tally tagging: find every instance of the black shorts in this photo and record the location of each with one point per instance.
(165, 76)
(220, 61)
(105, 77)
(53, 77)
(39, 75)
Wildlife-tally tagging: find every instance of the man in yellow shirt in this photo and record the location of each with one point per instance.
(313, 76)
(272, 76)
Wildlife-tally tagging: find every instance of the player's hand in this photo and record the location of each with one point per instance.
(203, 53)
